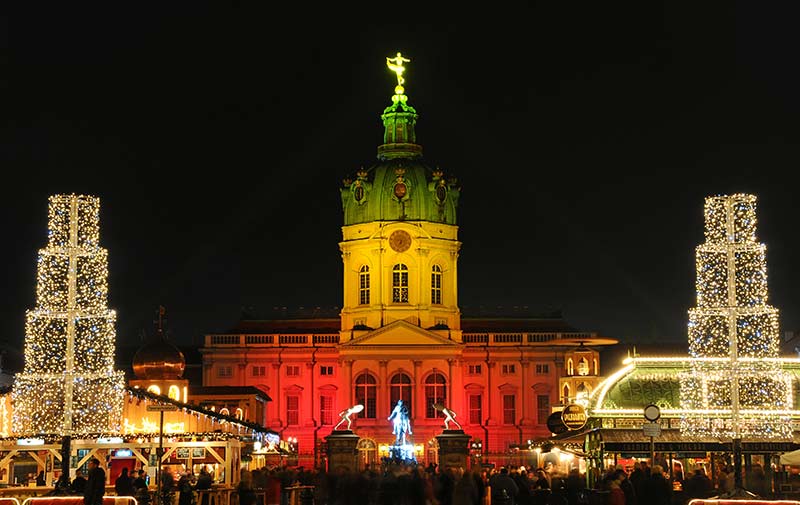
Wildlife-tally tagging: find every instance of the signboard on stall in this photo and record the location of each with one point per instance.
(574, 416)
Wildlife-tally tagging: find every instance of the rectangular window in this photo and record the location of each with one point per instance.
(474, 370)
(292, 370)
(509, 409)
(475, 409)
(542, 369)
(225, 371)
(326, 410)
(259, 371)
(326, 370)
(292, 410)
(400, 284)
(542, 408)
(509, 369)
(436, 286)
(363, 287)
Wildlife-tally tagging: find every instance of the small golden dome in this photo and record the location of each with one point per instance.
(157, 358)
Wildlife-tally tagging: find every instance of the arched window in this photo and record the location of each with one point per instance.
(583, 366)
(436, 285)
(174, 392)
(154, 389)
(239, 414)
(435, 392)
(570, 367)
(365, 394)
(363, 285)
(400, 389)
(224, 411)
(566, 394)
(400, 283)
(596, 371)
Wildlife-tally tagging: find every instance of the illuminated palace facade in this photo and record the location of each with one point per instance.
(400, 333)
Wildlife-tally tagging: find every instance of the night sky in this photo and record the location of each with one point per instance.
(585, 136)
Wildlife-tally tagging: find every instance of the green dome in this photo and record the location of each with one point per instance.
(401, 186)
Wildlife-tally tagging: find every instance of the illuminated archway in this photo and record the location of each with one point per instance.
(154, 389)
(174, 392)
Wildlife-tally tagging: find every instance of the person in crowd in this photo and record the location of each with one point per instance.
(204, 481)
(639, 477)
(542, 479)
(167, 487)
(757, 481)
(616, 496)
(575, 484)
(141, 490)
(78, 483)
(627, 487)
(124, 484)
(698, 485)
(503, 486)
(657, 490)
(245, 491)
(95, 484)
(186, 488)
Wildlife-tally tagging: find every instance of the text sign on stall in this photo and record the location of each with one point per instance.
(651, 429)
(161, 408)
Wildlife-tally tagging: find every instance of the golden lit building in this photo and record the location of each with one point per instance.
(400, 333)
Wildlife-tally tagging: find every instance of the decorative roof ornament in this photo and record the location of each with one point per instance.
(396, 65)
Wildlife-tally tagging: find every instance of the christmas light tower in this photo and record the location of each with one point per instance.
(735, 387)
(68, 385)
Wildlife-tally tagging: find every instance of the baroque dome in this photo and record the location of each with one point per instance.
(401, 186)
(158, 359)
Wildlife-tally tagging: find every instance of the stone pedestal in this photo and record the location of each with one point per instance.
(453, 449)
(342, 452)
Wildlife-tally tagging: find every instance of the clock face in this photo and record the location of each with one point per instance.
(652, 413)
(400, 240)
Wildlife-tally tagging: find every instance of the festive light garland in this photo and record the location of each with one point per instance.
(744, 392)
(68, 385)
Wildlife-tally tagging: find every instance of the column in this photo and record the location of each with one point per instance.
(275, 393)
(525, 398)
(417, 393)
(490, 421)
(348, 375)
(383, 390)
(308, 398)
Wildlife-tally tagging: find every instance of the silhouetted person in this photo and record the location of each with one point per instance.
(124, 484)
(698, 485)
(78, 483)
(95, 484)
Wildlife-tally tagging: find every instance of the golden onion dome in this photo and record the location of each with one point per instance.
(158, 359)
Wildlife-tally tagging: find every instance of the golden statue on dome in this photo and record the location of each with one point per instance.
(396, 65)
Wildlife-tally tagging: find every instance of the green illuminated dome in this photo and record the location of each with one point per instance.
(400, 186)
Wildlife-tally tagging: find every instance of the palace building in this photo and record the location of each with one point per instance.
(400, 333)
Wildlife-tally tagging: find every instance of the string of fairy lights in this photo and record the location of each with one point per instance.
(68, 385)
(735, 385)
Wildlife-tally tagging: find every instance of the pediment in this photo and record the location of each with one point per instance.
(400, 333)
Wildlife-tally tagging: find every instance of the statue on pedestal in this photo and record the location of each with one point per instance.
(345, 415)
(449, 415)
(401, 423)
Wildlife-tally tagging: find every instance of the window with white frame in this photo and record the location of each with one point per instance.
(366, 394)
(435, 392)
(400, 283)
(509, 409)
(224, 371)
(259, 370)
(473, 369)
(475, 409)
(292, 410)
(509, 369)
(293, 370)
(326, 410)
(542, 408)
(326, 370)
(363, 285)
(436, 285)
(542, 368)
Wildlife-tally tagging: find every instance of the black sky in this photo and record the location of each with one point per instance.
(585, 136)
